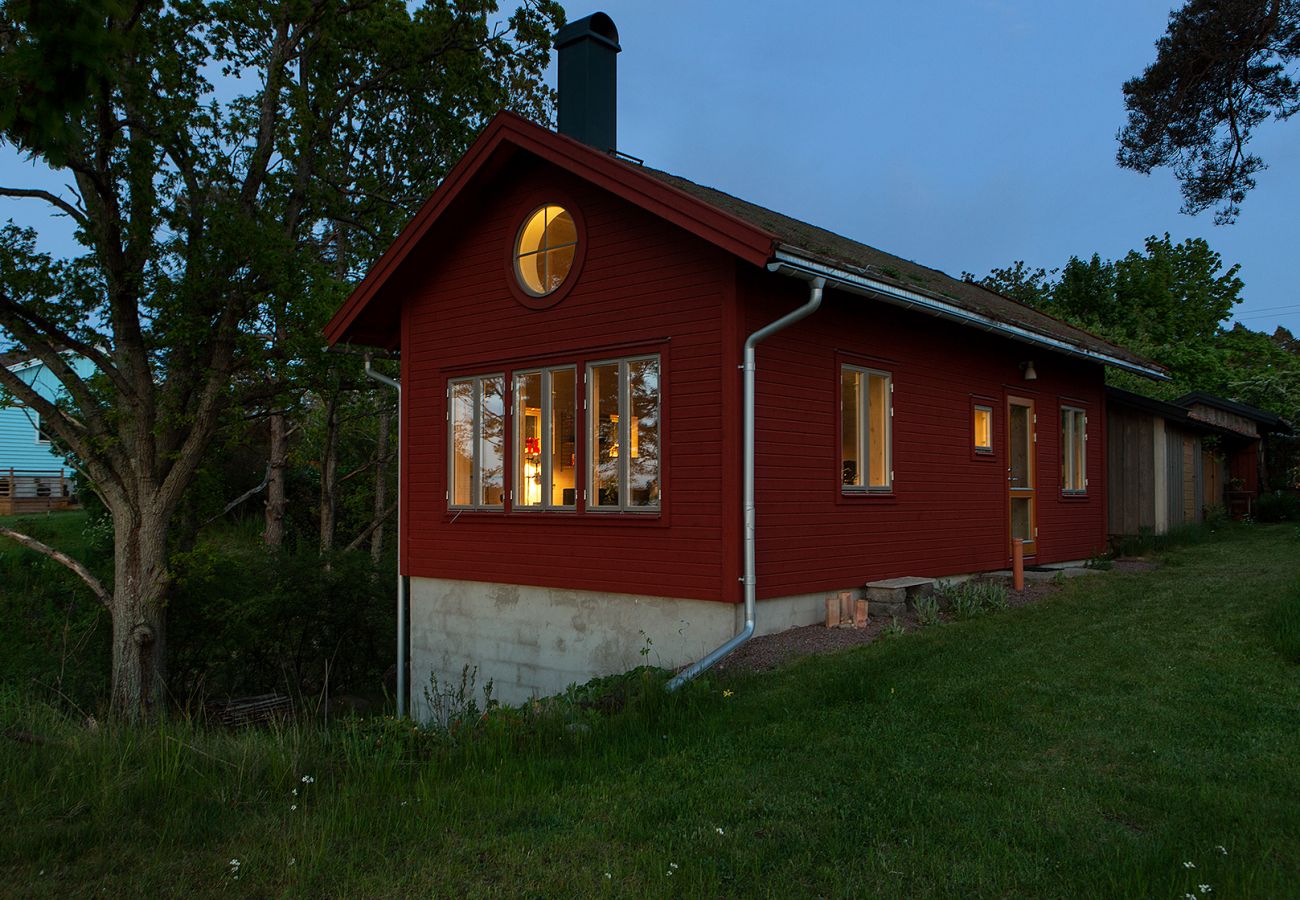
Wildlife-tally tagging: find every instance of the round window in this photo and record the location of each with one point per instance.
(545, 249)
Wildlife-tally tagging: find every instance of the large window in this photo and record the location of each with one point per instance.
(623, 434)
(546, 438)
(477, 430)
(866, 413)
(1074, 450)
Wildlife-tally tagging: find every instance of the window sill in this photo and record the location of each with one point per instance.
(1075, 496)
(653, 518)
(881, 497)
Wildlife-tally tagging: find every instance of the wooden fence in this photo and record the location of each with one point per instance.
(23, 492)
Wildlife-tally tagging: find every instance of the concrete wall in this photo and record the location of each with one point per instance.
(534, 641)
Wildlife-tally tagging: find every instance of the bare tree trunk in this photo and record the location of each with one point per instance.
(276, 497)
(137, 610)
(381, 485)
(329, 470)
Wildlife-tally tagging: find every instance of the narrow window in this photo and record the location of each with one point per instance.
(623, 429)
(545, 416)
(866, 414)
(1074, 450)
(983, 429)
(476, 433)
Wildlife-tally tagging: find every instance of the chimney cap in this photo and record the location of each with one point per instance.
(597, 26)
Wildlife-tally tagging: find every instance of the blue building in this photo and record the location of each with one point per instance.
(32, 474)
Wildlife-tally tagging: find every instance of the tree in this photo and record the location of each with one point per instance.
(1222, 68)
(213, 151)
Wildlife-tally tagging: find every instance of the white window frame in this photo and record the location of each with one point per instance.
(864, 431)
(36, 422)
(476, 471)
(1072, 444)
(984, 449)
(547, 436)
(624, 435)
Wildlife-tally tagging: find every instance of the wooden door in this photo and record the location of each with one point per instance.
(1022, 473)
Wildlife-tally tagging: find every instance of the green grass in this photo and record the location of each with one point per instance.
(1086, 746)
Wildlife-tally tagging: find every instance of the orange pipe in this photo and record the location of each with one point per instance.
(1018, 564)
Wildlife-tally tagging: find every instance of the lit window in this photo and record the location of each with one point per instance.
(544, 250)
(983, 428)
(477, 434)
(546, 438)
(866, 411)
(623, 434)
(1074, 450)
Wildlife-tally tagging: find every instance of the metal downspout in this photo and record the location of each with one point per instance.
(750, 579)
(402, 641)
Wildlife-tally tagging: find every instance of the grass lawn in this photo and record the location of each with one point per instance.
(1093, 745)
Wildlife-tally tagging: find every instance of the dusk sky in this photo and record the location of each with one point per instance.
(964, 135)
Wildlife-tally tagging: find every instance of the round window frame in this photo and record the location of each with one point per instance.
(523, 213)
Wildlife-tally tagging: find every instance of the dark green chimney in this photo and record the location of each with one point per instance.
(588, 86)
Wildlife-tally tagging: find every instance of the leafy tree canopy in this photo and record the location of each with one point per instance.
(1222, 68)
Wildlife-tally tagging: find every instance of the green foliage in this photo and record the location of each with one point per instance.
(1278, 506)
(1222, 68)
(1147, 543)
(927, 610)
(253, 620)
(54, 637)
(893, 628)
(973, 598)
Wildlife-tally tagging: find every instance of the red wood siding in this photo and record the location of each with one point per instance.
(948, 512)
(644, 286)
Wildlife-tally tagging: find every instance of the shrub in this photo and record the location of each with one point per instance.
(1279, 506)
(974, 598)
(893, 629)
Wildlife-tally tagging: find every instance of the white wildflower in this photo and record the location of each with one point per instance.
(293, 807)
(1222, 849)
(307, 779)
(1205, 888)
(1189, 865)
(608, 875)
(293, 860)
(295, 792)
(719, 830)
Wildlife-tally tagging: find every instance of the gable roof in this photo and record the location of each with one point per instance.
(755, 234)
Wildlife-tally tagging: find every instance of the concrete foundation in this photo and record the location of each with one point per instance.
(534, 642)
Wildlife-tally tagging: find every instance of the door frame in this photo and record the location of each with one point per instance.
(1031, 545)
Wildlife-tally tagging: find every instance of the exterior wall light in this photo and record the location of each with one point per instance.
(1030, 373)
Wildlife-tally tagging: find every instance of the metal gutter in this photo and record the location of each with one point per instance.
(789, 263)
(403, 640)
(816, 289)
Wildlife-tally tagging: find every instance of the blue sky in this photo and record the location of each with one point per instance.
(964, 135)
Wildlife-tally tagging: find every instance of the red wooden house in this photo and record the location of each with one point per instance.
(572, 329)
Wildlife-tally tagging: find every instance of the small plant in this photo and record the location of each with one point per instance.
(1058, 580)
(927, 610)
(974, 598)
(893, 629)
(1100, 561)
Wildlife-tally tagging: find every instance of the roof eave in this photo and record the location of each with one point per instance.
(801, 264)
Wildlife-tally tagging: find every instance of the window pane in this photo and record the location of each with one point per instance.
(492, 441)
(850, 404)
(560, 229)
(528, 439)
(643, 432)
(1081, 450)
(1022, 519)
(983, 428)
(558, 264)
(532, 272)
(462, 442)
(1021, 436)
(563, 437)
(878, 436)
(604, 449)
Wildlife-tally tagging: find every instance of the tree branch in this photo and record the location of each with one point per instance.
(96, 586)
(370, 529)
(53, 199)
